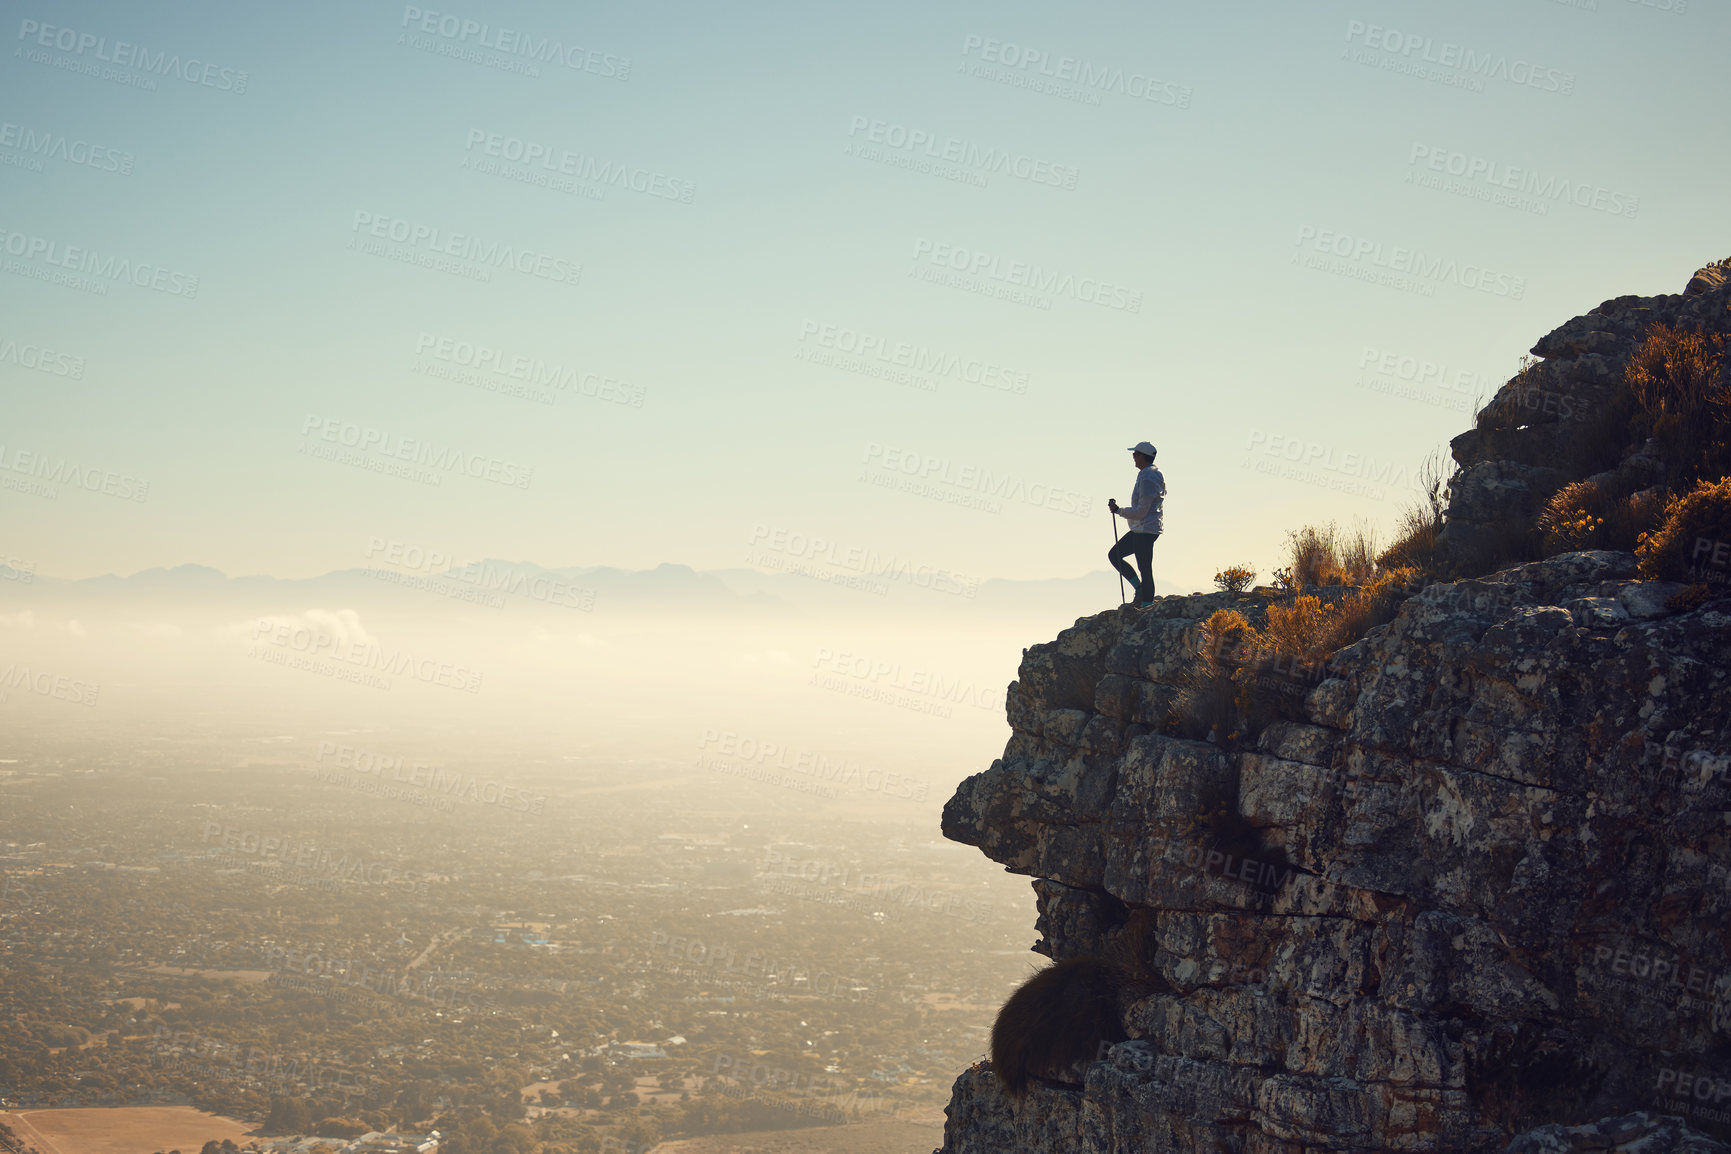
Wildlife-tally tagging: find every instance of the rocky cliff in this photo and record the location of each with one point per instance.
(1566, 416)
(1476, 899)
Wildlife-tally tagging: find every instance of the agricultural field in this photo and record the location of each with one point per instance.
(123, 1129)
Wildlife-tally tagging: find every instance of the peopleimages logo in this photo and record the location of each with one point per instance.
(364, 655)
(966, 153)
(928, 469)
(1089, 77)
(973, 263)
(855, 350)
(104, 266)
(366, 439)
(532, 371)
(856, 559)
(772, 755)
(1401, 267)
(21, 678)
(43, 360)
(1315, 454)
(889, 675)
(127, 55)
(515, 42)
(462, 246)
(66, 471)
(1419, 371)
(578, 165)
(448, 782)
(1513, 185)
(1447, 54)
(59, 146)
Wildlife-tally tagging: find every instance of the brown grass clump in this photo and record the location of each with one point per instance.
(1207, 706)
(1678, 378)
(1308, 630)
(1357, 554)
(1373, 604)
(1693, 543)
(1299, 629)
(1324, 555)
(1418, 532)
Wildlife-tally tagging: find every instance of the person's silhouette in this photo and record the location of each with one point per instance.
(1144, 516)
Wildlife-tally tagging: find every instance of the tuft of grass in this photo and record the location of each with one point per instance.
(1418, 532)
(1319, 555)
(1311, 556)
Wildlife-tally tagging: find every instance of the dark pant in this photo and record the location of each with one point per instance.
(1141, 544)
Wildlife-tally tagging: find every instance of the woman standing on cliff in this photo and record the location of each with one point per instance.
(1144, 515)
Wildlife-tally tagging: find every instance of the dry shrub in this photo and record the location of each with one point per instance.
(1417, 541)
(1207, 705)
(1418, 532)
(1324, 555)
(1308, 629)
(1356, 552)
(1244, 678)
(1311, 556)
(1228, 638)
(1287, 665)
(1591, 515)
(1678, 378)
(1373, 604)
(1693, 542)
(1573, 517)
(1299, 629)
(1235, 578)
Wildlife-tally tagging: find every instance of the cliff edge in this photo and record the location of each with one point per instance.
(1476, 897)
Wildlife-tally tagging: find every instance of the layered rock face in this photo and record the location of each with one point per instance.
(1565, 417)
(1483, 886)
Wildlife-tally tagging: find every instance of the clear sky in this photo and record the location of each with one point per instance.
(1248, 231)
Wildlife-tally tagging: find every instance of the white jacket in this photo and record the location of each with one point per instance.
(1145, 501)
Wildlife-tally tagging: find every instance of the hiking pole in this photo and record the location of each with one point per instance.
(1116, 537)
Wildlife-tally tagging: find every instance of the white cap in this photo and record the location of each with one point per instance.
(1143, 447)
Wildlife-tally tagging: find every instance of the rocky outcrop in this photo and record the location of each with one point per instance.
(1565, 418)
(1483, 886)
